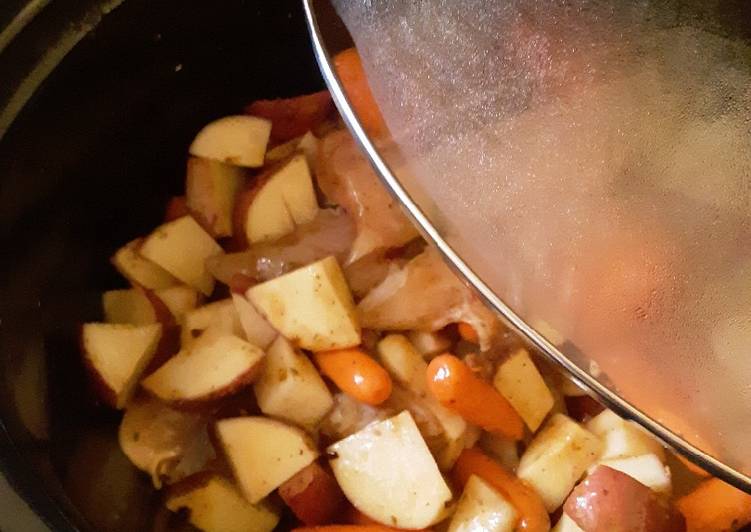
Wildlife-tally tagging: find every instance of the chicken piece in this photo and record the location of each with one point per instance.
(330, 233)
(346, 178)
(167, 444)
(426, 295)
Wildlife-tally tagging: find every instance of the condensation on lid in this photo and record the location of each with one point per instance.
(591, 161)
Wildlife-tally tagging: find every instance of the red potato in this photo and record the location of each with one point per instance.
(313, 495)
(611, 501)
(141, 306)
(345, 528)
(140, 271)
(210, 191)
(243, 200)
(214, 503)
(169, 343)
(215, 366)
(176, 207)
(280, 198)
(292, 117)
(239, 241)
(115, 356)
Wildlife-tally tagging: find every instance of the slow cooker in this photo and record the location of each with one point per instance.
(98, 102)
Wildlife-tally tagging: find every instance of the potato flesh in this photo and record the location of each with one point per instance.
(179, 300)
(220, 316)
(217, 506)
(263, 453)
(139, 270)
(210, 191)
(647, 469)
(387, 472)
(213, 367)
(312, 306)
(286, 200)
(181, 247)
(622, 438)
(290, 387)
(119, 354)
(129, 306)
(556, 459)
(482, 509)
(240, 140)
(520, 382)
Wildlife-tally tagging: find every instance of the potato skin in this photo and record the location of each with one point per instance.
(313, 495)
(292, 117)
(611, 501)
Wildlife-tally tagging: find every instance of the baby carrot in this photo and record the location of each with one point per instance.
(457, 388)
(356, 517)
(344, 528)
(356, 374)
(715, 505)
(349, 68)
(467, 332)
(533, 517)
(313, 495)
(292, 117)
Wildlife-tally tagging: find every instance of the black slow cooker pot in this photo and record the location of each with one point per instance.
(99, 100)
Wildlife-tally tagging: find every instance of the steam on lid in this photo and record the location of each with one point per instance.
(592, 162)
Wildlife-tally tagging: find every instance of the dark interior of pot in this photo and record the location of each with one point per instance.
(98, 103)
(86, 165)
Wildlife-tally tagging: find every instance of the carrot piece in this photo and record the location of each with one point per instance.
(715, 505)
(313, 495)
(467, 332)
(356, 374)
(176, 207)
(292, 117)
(169, 343)
(355, 517)
(452, 382)
(348, 66)
(344, 528)
(692, 467)
(533, 517)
